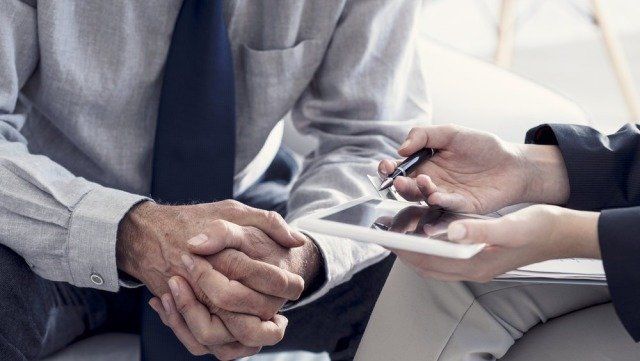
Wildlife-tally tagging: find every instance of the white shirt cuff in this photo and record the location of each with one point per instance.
(93, 232)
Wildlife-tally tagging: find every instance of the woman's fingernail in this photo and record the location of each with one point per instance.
(166, 303)
(198, 240)
(175, 287)
(457, 232)
(405, 144)
(187, 261)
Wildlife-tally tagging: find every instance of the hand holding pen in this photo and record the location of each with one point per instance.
(407, 166)
(469, 171)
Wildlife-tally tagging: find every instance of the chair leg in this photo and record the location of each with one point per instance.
(618, 59)
(506, 34)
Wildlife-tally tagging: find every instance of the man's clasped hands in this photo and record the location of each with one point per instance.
(220, 291)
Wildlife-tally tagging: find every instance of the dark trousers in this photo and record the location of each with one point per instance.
(39, 317)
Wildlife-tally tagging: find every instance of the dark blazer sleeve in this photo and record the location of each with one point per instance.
(604, 175)
(604, 171)
(619, 234)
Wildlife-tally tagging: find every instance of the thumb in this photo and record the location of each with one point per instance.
(217, 236)
(476, 231)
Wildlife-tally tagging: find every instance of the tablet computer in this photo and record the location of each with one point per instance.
(392, 224)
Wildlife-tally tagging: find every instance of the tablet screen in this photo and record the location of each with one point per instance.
(414, 219)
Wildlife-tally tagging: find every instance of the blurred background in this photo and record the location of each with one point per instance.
(556, 43)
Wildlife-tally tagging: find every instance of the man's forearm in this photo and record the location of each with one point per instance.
(548, 181)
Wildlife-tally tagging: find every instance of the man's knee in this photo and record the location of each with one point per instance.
(22, 316)
(14, 272)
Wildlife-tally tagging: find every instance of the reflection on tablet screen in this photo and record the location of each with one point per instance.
(416, 220)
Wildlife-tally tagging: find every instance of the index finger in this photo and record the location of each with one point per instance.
(229, 294)
(269, 222)
(260, 276)
(429, 136)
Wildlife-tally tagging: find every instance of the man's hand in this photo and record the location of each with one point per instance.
(152, 247)
(152, 238)
(190, 320)
(534, 234)
(477, 172)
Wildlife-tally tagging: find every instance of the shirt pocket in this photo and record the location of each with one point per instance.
(276, 78)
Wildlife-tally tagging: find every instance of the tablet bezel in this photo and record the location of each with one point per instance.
(315, 223)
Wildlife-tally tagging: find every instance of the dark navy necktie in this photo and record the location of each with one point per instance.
(195, 135)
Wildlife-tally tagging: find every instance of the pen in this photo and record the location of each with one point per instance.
(408, 165)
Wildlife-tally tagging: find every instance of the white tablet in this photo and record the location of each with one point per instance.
(392, 224)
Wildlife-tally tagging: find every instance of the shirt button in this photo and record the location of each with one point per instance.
(97, 279)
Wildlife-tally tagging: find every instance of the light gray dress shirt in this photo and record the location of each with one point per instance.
(79, 90)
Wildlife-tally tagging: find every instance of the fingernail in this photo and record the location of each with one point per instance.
(457, 232)
(198, 240)
(175, 287)
(153, 306)
(166, 303)
(405, 144)
(187, 261)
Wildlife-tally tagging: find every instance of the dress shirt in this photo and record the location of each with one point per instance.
(79, 89)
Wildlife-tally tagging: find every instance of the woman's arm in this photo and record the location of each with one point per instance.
(619, 235)
(603, 171)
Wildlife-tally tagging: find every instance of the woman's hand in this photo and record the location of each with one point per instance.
(534, 234)
(478, 172)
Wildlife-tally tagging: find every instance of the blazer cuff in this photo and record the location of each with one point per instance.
(590, 169)
(342, 259)
(93, 231)
(617, 231)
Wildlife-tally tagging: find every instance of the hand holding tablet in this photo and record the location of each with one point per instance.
(393, 224)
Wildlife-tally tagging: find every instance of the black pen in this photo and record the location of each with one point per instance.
(408, 165)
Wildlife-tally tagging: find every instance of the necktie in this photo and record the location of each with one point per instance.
(195, 135)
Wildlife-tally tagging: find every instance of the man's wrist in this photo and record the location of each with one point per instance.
(131, 233)
(311, 267)
(547, 180)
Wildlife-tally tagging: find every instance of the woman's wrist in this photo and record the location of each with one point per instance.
(578, 232)
(547, 180)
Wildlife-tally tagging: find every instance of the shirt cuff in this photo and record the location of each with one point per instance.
(343, 258)
(93, 232)
(617, 231)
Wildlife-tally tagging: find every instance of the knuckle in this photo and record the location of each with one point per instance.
(199, 277)
(246, 337)
(206, 336)
(279, 282)
(232, 299)
(279, 335)
(217, 226)
(183, 308)
(481, 276)
(274, 218)
(223, 299)
(479, 233)
(233, 207)
(227, 203)
(234, 265)
(196, 351)
(298, 284)
(223, 354)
